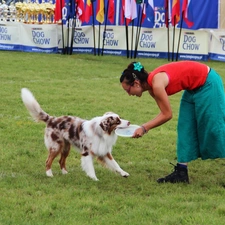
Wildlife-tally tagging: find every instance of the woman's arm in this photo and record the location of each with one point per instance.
(159, 83)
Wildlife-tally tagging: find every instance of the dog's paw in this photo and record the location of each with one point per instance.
(94, 178)
(64, 171)
(124, 174)
(49, 173)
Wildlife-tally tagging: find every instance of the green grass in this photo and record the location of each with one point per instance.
(88, 86)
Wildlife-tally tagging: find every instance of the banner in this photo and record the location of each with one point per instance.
(204, 14)
(217, 45)
(152, 43)
(193, 44)
(38, 38)
(127, 41)
(10, 36)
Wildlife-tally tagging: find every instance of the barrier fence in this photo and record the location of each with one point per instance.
(153, 43)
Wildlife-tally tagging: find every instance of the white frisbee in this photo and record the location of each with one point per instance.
(126, 132)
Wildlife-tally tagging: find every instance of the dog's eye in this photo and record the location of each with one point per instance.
(118, 121)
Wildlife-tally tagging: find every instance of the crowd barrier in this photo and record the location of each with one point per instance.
(200, 45)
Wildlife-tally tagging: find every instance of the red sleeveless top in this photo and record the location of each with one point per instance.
(183, 75)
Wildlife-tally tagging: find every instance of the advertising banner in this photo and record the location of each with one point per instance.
(193, 44)
(153, 43)
(217, 45)
(203, 14)
(10, 36)
(189, 44)
(39, 38)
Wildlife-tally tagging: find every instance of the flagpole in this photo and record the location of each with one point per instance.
(73, 29)
(181, 25)
(167, 26)
(132, 33)
(173, 37)
(68, 32)
(93, 25)
(72, 35)
(68, 27)
(138, 30)
(168, 42)
(63, 51)
(104, 33)
(99, 33)
(127, 40)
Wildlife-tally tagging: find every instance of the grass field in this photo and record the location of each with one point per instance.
(88, 86)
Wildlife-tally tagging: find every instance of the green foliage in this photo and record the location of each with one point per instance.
(88, 86)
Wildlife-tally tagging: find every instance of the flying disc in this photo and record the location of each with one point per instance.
(126, 132)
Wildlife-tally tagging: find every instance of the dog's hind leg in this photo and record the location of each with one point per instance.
(65, 152)
(52, 154)
(111, 164)
(87, 166)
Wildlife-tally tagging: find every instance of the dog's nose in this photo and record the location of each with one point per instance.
(128, 124)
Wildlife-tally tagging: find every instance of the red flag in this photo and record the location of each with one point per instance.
(187, 14)
(80, 10)
(111, 12)
(88, 11)
(122, 12)
(175, 12)
(58, 10)
(166, 6)
(143, 8)
(100, 11)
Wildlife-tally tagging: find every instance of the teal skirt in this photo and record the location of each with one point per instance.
(201, 122)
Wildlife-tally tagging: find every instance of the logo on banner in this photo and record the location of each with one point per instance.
(108, 37)
(146, 40)
(222, 41)
(190, 42)
(39, 38)
(159, 17)
(80, 37)
(4, 34)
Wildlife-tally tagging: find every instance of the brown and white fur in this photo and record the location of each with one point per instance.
(93, 137)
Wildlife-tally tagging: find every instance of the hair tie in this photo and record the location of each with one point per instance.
(138, 66)
(134, 76)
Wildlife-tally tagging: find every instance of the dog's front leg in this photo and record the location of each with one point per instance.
(111, 163)
(87, 166)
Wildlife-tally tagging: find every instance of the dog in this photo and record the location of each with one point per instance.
(91, 138)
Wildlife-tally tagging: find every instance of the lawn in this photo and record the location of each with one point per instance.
(88, 86)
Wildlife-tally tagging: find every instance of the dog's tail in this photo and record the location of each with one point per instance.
(33, 107)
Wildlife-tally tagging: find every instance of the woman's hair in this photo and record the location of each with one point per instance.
(134, 71)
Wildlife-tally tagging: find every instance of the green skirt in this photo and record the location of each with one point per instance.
(201, 122)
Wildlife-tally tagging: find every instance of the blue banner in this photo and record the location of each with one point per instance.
(204, 14)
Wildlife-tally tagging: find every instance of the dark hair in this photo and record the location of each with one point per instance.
(134, 71)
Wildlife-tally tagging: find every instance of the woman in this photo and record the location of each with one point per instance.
(201, 122)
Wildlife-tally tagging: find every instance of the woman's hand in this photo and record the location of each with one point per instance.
(139, 132)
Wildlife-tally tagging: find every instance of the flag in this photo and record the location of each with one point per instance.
(111, 12)
(150, 13)
(100, 11)
(143, 6)
(88, 11)
(166, 6)
(122, 12)
(175, 12)
(58, 10)
(71, 11)
(187, 13)
(80, 10)
(130, 10)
